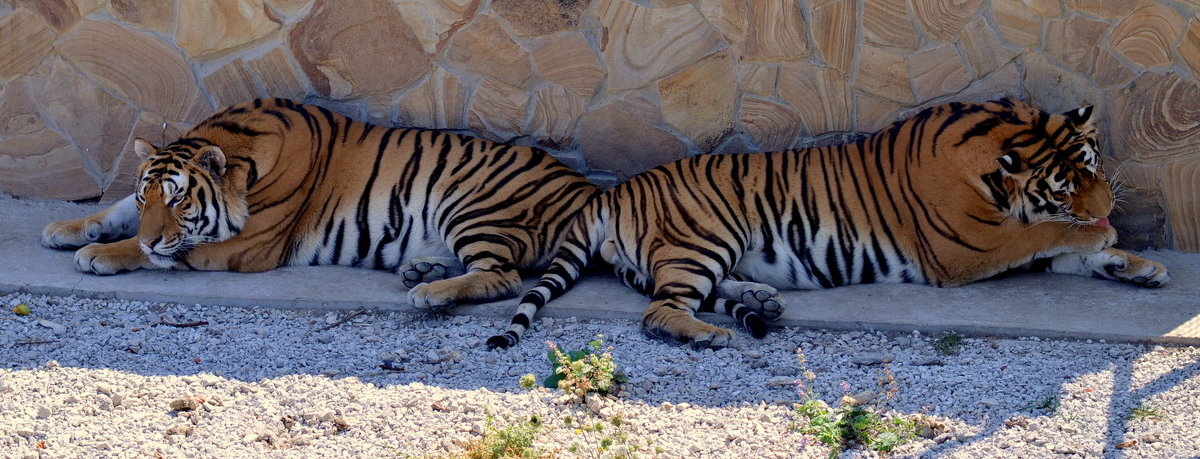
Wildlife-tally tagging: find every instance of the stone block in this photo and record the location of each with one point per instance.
(884, 73)
(1055, 89)
(1106, 9)
(339, 47)
(483, 47)
(433, 21)
(556, 110)
(213, 28)
(938, 71)
(25, 41)
(569, 61)
(1140, 220)
(1018, 24)
(1073, 41)
(540, 17)
(820, 95)
(758, 79)
(1156, 119)
(89, 117)
(982, 47)
(699, 100)
(771, 126)
(136, 66)
(887, 23)
(62, 15)
(760, 30)
(1183, 202)
(875, 113)
(44, 165)
(498, 111)
(621, 138)
(278, 75)
(439, 102)
(1148, 34)
(1109, 72)
(835, 31)
(155, 15)
(642, 44)
(943, 19)
(231, 84)
(1189, 47)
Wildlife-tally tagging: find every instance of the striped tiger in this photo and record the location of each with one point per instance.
(956, 193)
(273, 183)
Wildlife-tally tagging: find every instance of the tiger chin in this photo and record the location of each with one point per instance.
(957, 193)
(273, 183)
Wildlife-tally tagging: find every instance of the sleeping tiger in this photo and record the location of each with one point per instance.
(273, 183)
(957, 193)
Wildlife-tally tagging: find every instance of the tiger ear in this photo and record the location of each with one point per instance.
(1081, 117)
(212, 159)
(1011, 162)
(143, 148)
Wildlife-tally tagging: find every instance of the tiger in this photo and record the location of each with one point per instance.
(273, 182)
(956, 193)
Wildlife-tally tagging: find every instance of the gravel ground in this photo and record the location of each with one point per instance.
(93, 378)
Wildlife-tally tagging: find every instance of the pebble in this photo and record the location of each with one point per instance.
(325, 339)
(184, 404)
(868, 358)
(54, 327)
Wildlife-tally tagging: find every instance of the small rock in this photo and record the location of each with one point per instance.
(325, 339)
(868, 358)
(249, 438)
(1151, 437)
(780, 381)
(58, 329)
(117, 399)
(989, 402)
(184, 404)
(180, 430)
(43, 412)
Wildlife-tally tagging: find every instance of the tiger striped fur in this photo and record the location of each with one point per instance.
(273, 183)
(957, 193)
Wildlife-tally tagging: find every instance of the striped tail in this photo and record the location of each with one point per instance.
(577, 249)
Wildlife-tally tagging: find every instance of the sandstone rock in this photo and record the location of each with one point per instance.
(439, 102)
(1140, 220)
(433, 21)
(884, 73)
(154, 129)
(210, 28)
(982, 47)
(91, 118)
(875, 113)
(498, 111)
(540, 17)
(1002, 83)
(835, 29)
(773, 127)
(1054, 89)
(379, 108)
(555, 111)
(604, 136)
(62, 15)
(1107, 9)
(1189, 47)
(24, 42)
(887, 23)
(643, 44)
(288, 7)
(736, 144)
(231, 84)
(87, 6)
(18, 112)
(278, 76)
(485, 48)
(338, 47)
(699, 100)
(570, 62)
(819, 94)
(1156, 118)
(942, 19)
(44, 165)
(1109, 72)
(1020, 25)
(353, 109)
(760, 30)
(136, 66)
(758, 79)
(155, 15)
(1183, 205)
(1147, 35)
(938, 71)
(1072, 41)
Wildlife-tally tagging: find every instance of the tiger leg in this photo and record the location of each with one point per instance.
(428, 269)
(1110, 263)
(633, 279)
(762, 298)
(750, 318)
(490, 275)
(117, 222)
(101, 258)
(679, 292)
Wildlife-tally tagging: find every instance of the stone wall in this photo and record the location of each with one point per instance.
(611, 86)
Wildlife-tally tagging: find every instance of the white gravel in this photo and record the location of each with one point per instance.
(264, 382)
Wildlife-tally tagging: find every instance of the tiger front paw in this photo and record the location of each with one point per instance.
(106, 259)
(71, 234)
(766, 302)
(1142, 272)
(428, 297)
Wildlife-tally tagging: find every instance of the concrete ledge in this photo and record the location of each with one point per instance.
(1045, 305)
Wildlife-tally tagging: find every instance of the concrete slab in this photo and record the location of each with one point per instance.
(1022, 305)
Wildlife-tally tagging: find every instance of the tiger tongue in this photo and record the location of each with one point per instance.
(1103, 223)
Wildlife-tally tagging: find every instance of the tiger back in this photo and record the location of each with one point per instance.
(273, 183)
(954, 194)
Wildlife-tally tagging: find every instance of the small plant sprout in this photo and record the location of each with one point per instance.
(1144, 412)
(1048, 402)
(508, 442)
(586, 371)
(949, 343)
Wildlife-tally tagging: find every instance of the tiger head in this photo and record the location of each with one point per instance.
(1051, 170)
(185, 199)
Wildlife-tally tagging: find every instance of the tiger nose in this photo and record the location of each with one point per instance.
(149, 243)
